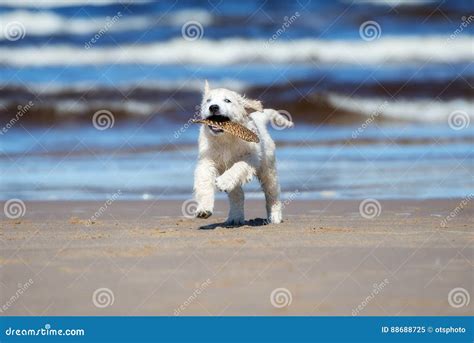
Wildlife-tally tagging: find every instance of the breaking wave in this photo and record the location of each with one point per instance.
(395, 49)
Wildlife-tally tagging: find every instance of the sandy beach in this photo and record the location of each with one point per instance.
(145, 258)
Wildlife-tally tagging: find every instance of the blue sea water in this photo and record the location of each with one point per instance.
(324, 162)
(414, 73)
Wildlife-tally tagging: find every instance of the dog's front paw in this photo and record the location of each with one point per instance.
(203, 214)
(275, 217)
(225, 183)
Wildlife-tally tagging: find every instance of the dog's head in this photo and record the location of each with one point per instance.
(227, 104)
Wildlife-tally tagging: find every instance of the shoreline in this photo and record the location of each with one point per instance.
(330, 259)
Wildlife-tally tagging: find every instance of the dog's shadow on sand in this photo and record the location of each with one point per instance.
(252, 222)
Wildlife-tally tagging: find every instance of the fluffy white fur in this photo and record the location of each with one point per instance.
(227, 163)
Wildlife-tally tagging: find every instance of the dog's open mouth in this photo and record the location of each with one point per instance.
(222, 124)
(215, 129)
(218, 119)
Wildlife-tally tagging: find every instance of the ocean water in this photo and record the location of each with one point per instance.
(380, 93)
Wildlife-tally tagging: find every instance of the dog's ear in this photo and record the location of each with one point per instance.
(206, 87)
(255, 105)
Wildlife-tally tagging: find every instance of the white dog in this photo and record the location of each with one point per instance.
(228, 162)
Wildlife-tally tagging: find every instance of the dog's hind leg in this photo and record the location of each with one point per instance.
(204, 180)
(269, 180)
(236, 207)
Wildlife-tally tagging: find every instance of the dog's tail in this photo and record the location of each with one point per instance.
(278, 119)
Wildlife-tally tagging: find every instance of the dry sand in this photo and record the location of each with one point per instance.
(156, 262)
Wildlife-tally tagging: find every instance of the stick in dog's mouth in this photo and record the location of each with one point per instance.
(219, 123)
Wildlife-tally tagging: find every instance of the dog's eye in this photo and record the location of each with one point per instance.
(227, 100)
(208, 100)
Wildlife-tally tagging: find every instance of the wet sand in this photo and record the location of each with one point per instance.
(145, 258)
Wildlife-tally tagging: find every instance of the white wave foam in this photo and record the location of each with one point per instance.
(59, 3)
(393, 3)
(417, 110)
(138, 108)
(48, 23)
(155, 85)
(231, 51)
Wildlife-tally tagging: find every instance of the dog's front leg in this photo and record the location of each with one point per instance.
(204, 181)
(237, 175)
(236, 209)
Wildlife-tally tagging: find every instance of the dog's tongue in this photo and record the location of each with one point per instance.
(215, 128)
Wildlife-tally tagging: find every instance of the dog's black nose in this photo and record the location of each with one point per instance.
(214, 108)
